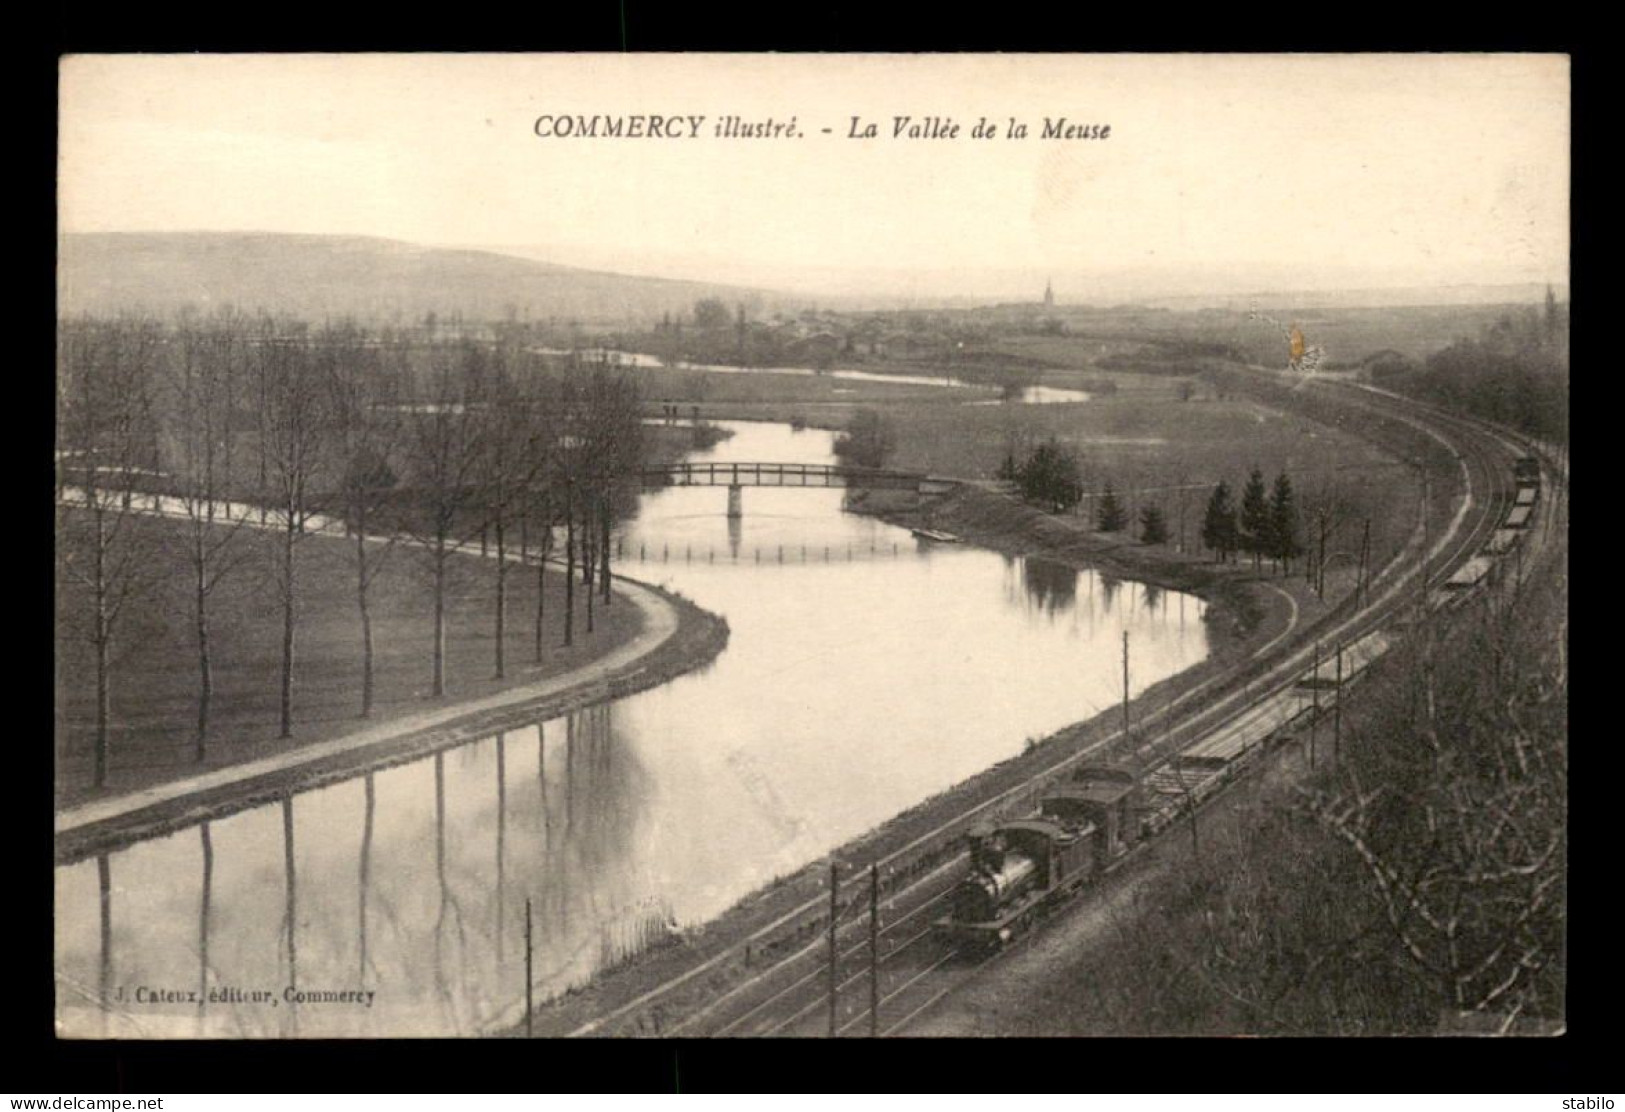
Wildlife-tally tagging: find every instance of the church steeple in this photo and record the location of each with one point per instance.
(1049, 295)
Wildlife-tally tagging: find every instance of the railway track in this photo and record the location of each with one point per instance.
(909, 968)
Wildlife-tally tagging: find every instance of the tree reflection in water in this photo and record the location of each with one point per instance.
(204, 895)
(1109, 585)
(1052, 586)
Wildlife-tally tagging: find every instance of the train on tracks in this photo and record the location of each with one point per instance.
(1023, 869)
(1480, 569)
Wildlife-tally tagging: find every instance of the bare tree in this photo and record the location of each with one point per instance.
(207, 362)
(536, 502)
(445, 457)
(1463, 833)
(297, 420)
(105, 440)
(540, 508)
(568, 459)
(510, 464)
(615, 440)
(1328, 508)
(605, 449)
(569, 557)
(363, 386)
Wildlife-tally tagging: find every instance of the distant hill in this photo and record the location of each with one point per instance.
(1395, 297)
(378, 280)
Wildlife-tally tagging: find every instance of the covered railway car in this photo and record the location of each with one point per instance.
(1356, 658)
(1519, 517)
(1184, 783)
(1470, 574)
(1526, 471)
(1504, 541)
(1100, 795)
(1526, 496)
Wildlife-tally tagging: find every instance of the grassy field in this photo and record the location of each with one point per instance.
(155, 670)
(1156, 449)
(711, 388)
(1346, 335)
(1145, 439)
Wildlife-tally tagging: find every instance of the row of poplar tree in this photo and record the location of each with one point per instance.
(235, 423)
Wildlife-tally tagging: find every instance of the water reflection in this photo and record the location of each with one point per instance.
(431, 869)
(863, 674)
(203, 926)
(104, 877)
(1052, 586)
(365, 882)
(291, 916)
(1109, 585)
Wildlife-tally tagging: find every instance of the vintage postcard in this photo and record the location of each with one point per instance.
(811, 545)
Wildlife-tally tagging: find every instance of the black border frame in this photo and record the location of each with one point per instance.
(40, 1063)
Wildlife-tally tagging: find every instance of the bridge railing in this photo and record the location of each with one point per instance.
(767, 474)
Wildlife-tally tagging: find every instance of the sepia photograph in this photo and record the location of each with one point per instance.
(790, 546)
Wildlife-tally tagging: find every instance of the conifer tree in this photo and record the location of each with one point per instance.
(1255, 517)
(1109, 514)
(1153, 526)
(1219, 523)
(1283, 523)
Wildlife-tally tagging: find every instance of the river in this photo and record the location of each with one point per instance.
(1029, 395)
(866, 671)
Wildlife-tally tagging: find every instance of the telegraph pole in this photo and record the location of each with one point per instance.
(1337, 713)
(1125, 687)
(1314, 719)
(834, 880)
(1422, 594)
(1365, 567)
(1182, 514)
(874, 951)
(528, 1008)
(1422, 577)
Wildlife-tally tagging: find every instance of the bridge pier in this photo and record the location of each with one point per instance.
(736, 500)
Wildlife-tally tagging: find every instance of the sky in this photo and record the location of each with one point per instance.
(1243, 171)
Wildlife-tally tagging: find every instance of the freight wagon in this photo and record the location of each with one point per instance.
(1357, 657)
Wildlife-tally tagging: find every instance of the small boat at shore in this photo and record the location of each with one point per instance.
(935, 535)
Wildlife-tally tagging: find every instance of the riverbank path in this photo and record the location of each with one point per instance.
(660, 622)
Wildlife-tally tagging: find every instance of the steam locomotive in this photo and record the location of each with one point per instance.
(1020, 870)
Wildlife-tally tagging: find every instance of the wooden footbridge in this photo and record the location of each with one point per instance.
(737, 476)
(779, 475)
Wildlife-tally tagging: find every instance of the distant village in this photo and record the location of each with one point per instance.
(713, 331)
